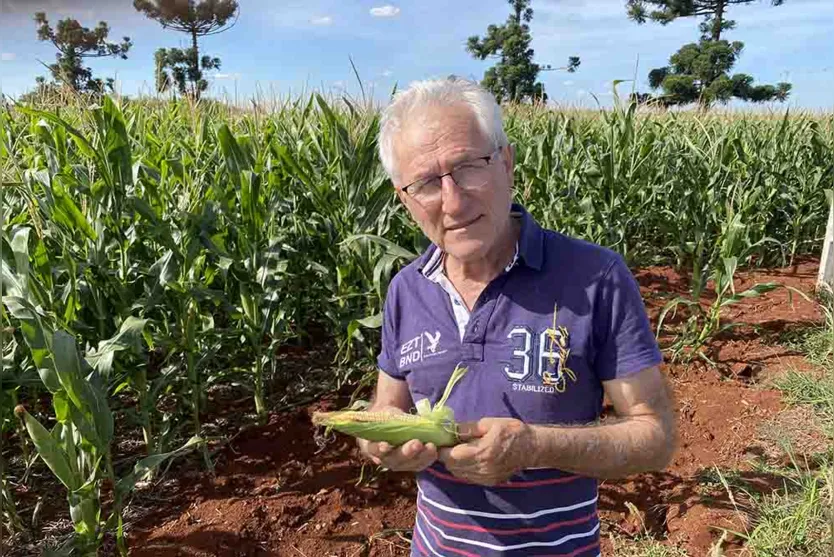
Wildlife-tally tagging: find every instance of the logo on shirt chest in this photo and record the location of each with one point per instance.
(543, 354)
(421, 347)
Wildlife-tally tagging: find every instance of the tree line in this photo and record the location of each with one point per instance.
(182, 69)
(699, 72)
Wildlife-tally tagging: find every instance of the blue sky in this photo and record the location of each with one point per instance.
(283, 47)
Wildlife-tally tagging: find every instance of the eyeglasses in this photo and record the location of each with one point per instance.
(469, 176)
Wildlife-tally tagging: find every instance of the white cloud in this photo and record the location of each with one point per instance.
(387, 73)
(385, 11)
(324, 20)
(227, 76)
(7, 56)
(567, 83)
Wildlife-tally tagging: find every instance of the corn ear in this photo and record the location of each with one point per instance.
(430, 425)
(394, 428)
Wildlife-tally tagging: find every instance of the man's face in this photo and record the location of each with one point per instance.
(465, 222)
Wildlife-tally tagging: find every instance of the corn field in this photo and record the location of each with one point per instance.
(152, 250)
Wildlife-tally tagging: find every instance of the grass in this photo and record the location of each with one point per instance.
(817, 392)
(814, 342)
(817, 344)
(644, 546)
(796, 521)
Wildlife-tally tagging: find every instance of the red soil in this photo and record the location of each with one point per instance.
(281, 490)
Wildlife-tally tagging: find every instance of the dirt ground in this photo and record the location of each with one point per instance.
(280, 489)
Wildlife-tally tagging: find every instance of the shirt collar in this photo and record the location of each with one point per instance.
(530, 240)
(529, 249)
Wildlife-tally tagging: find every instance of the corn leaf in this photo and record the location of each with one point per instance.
(149, 463)
(49, 451)
(85, 397)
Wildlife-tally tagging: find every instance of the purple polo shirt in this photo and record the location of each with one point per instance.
(523, 367)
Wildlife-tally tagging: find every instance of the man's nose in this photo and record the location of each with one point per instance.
(454, 199)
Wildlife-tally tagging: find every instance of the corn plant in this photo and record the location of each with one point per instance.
(11, 521)
(255, 245)
(719, 268)
(328, 159)
(79, 443)
(8, 510)
(653, 186)
(15, 375)
(78, 449)
(92, 245)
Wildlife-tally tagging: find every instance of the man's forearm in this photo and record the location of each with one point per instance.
(609, 450)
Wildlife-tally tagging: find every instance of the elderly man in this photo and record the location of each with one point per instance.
(546, 324)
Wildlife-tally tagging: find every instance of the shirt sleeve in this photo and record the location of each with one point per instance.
(625, 342)
(387, 359)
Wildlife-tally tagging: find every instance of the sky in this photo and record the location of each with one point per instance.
(283, 48)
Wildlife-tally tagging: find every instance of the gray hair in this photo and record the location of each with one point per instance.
(439, 92)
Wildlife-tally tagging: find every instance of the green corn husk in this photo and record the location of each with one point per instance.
(430, 425)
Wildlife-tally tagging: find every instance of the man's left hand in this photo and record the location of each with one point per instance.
(492, 450)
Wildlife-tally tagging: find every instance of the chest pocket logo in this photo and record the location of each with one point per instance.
(420, 348)
(432, 340)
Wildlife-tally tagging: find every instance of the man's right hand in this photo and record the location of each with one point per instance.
(412, 456)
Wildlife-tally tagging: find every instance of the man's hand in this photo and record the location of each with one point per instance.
(494, 449)
(412, 456)
(392, 395)
(642, 439)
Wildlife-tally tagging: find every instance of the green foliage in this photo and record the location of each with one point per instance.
(78, 448)
(174, 69)
(193, 242)
(184, 67)
(9, 517)
(75, 43)
(716, 264)
(797, 518)
(817, 341)
(644, 545)
(700, 72)
(513, 77)
(180, 246)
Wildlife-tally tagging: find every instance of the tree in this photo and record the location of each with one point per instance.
(173, 67)
(74, 44)
(184, 67)
(700, 72)
(513, 77)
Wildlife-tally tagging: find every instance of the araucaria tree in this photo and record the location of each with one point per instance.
(513, 77)
(75, 43)
(700, 72)
(184, 67)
